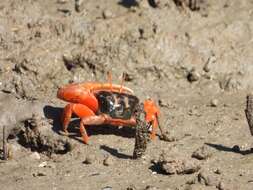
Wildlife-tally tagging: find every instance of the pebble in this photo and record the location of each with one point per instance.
(214, 102)
(218, 171)
(61, 1)
(42, 164)
(208, 179)
(107, 14)
(131, 187)
(193, 76)
(107, 188)
(35, 156)
(89, 159)
(108, 161)
(39, 174)
(78, 5)
(221, 186)
(150, 187)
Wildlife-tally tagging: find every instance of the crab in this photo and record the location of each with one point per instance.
(104, 103)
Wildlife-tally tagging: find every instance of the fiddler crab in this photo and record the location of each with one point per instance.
(105, 103)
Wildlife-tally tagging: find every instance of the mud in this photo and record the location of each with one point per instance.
(183, 54)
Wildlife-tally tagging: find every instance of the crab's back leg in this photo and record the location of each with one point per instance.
(82, 111)
(152, 113)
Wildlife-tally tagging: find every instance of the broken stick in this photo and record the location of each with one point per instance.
(5, 149)
(249, 112)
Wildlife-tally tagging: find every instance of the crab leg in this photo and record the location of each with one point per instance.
(91, 120)
(66, 116)
(152, 113)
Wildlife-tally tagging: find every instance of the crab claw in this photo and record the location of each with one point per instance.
(152, 113)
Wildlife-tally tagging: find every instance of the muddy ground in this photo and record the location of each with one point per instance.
(196, 62)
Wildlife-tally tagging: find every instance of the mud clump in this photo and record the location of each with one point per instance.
(202, 153)
(170, 165)
(207, 178)
(38, 136)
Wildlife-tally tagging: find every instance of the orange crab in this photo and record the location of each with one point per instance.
(104, 103)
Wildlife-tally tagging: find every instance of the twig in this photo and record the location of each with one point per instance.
(249, 112)
(5, 149)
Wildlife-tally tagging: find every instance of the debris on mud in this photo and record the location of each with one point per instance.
(170, 165)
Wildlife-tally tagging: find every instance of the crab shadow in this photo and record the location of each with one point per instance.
(234, 149)
(54, 113)
(115, 152)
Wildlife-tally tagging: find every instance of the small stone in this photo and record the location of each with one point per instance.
(193, 76)
(217, 171)
(208, 179)
(78, 5)
(154, 3)
(221, 186)
(150, 187)
(108, 161)
(107, 188)
(62, 1)
(201, 153)
(89, 159)
(214, 102)
(211, 60)
(39, 174)
(42, 164)
(131, 187)
(35, 156)
(107, 14)
(206, 68)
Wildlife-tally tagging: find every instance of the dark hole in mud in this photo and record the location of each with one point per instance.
(157, 168)
(152, 3)
(128, 3)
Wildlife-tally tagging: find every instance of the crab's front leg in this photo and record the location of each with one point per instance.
(87, 116)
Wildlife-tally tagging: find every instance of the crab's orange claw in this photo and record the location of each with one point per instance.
(152, 113)
(76, 93)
